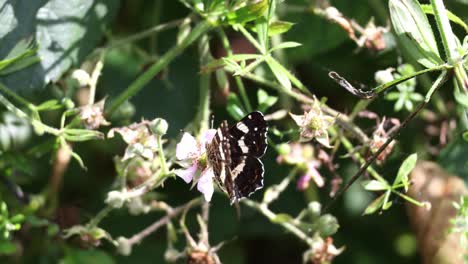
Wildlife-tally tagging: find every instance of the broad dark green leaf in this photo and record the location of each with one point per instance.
(65, 31)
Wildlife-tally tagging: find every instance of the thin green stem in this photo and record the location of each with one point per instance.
(141, 35)
(98, 218)
(162, 158)
(238, 79)
(18, 98)
(35, 123)
(250, 38)
(163, 61)
(203, 114)
(408, 198)
(263, 208)
(350, 148)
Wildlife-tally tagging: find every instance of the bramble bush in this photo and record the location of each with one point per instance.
(109, 133)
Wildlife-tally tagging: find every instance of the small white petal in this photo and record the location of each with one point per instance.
(205, 183)
(313, 172)
(299, 119)
(187, 147)
(207, 137)
(187, 174)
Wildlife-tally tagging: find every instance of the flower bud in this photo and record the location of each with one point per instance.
(82, 77)
(159, 126)
(327, 225)
(116, 199)
(123, 246)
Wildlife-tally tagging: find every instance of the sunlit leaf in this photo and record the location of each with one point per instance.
(375, 205)
(406, 167)
(373, 185)
(279, 72)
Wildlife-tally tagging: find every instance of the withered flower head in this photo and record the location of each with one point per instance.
(93, 115)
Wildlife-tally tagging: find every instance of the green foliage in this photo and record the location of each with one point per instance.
(64, 31)
(8, 223)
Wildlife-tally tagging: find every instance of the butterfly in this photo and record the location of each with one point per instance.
(234, 154)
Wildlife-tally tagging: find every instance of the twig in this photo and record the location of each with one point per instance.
(137, 238)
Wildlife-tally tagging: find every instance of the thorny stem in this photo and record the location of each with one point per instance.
(349, 147)
(437, 84)
(263, 208)
(163, 61)
(137, 238)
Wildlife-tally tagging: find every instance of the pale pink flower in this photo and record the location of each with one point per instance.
(302, 156)
(192, 157)
(93, 115)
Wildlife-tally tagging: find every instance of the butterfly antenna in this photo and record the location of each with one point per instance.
(212, 121)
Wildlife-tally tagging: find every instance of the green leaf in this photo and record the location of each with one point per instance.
(7, 248)
(77, 134)
(386, 203)
(78, 256)
(49, 105)
(264, 100)
(279, 72)
(406, 167)
(65, 32)
(286, 45)
(230, 61)
(455, 19)
(461, 98)
(375, 205)
(234, 107)
(250, 12)
(414, 31)
(279, 27)
(373, 185)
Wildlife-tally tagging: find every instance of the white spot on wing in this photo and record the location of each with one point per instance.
(242, 127)
(242, 146)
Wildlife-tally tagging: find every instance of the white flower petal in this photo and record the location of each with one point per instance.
(187, 174)
(323, 139)
(207, 137)
(187, 147)
(299, 119)
(205, 183)
(318, 179)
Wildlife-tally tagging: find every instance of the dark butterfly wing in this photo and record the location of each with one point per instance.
(248, 136)
(247, 176)
(219, 154)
